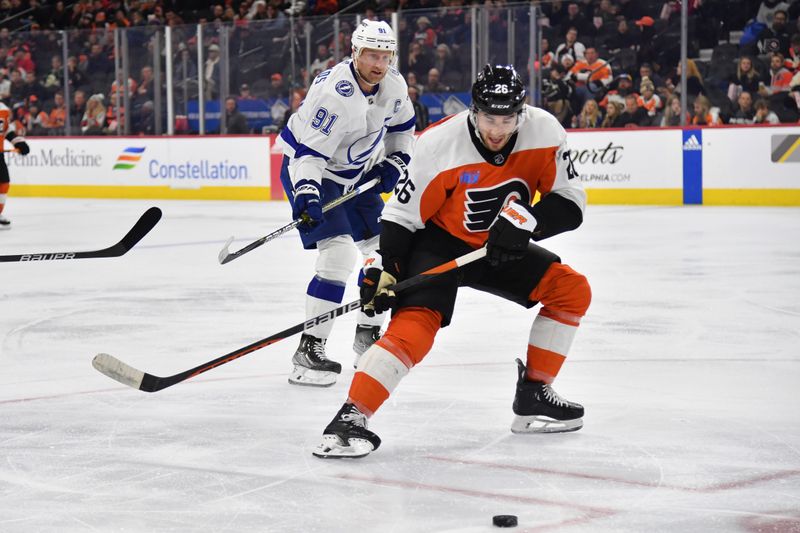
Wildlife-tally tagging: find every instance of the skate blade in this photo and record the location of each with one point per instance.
(544, 424)
(332, 448)
(311, 378)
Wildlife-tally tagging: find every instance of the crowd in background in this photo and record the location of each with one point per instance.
(604, 63)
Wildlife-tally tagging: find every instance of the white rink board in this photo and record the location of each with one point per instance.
(740, 158)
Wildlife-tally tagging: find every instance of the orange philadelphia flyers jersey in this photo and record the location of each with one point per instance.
(451, 183)
(6, 120)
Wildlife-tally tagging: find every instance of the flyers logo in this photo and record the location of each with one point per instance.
(481, 206)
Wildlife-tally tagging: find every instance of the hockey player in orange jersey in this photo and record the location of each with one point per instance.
(8, 133)
(472, 182)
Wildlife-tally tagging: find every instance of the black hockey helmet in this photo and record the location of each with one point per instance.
(498, 90)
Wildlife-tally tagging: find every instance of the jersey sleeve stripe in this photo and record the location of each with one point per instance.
(402, 127)
(347, 174)
(300, 150)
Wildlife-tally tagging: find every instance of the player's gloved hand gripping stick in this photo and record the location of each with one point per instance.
(226, 256)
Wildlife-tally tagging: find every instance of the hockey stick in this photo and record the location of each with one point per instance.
(225, 256)
(142, 227)
(127, 375)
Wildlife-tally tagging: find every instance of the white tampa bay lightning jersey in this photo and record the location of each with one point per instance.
(338, 128)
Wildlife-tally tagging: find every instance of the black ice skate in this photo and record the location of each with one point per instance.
(540, 410)
(311, 366)
(347, 436)
(4, 223)
(365, 337)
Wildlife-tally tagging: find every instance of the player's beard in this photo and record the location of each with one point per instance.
(494, 143)
(370, 77)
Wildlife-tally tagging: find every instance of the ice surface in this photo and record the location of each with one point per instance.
(688, 365)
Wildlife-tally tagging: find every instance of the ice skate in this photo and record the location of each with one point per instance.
(311, 367)
(365, 337)
(540, 410)
(4, 223)
(347, 436)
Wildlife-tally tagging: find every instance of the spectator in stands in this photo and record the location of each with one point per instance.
(294, 104)
(702, 115)
(16, 88)
(547, 57)
(694, 80)
(605, 16)
(763, 113)
(767, 10)
(235, 121)
(747, 79)
(570, 47)
(576, 19)
(94, 118)
(613, 118)
(446, 64)
(646, 71)
(792, 60)
(634, 115)
(36, 121)
(435, 84)
(590, 74)
(557, 92)
(420, 109)
(58, 115)
(672, 113)
(146, 89)
(779, 77)
(33, 87)
(244, 93)
(775, 38)
(323, 61)
(425, 35)
(411, 81)
(590, 116)
(622, 38)
(419, 59)
(77, 78)
(620, 88)
(211, 72)
(5, 85)
(76, 111)
(744, 112)
(54, 79)
(649, 100)
(276, 87)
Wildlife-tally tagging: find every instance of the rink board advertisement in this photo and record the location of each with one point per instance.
(230, 168)
(708, 166)
(753, 166)
(629, 167)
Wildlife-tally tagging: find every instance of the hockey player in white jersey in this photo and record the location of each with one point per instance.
(472, 182)
(349, 113)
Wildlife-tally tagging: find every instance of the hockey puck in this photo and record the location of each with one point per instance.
(505, 520)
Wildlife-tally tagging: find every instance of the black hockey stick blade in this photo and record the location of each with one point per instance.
(127, 375)
(142, 227)
(226, 256)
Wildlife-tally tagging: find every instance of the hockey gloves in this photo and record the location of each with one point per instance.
(377, 295)
(510, 234)
(306, 205)
(19, 143)
(390, 170)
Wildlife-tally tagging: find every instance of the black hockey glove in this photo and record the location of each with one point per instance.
(306, 205)
(376, 293)
(390, 170)
(20, 144)
(510, 234)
